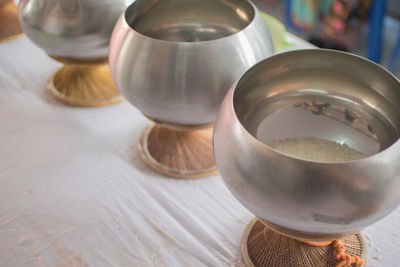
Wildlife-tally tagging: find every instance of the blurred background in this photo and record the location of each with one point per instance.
(370, 28)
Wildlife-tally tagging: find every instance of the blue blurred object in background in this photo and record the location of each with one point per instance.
(376, 19)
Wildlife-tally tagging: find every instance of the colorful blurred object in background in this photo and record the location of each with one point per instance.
(335, 23)
(369, 28)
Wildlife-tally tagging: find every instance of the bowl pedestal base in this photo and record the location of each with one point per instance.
(179, 152)
(84, 84)
(262, 247)
(9, 24)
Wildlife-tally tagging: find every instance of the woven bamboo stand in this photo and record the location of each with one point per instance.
(177, 151)
(9, 24)
(84, 84)
(263, 247)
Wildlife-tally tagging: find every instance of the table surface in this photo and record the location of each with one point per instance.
(74, 192)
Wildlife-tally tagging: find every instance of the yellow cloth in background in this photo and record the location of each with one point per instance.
(277, 30)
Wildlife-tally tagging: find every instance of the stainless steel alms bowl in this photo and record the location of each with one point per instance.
(312, 93)
(73, 29)
(176, 59)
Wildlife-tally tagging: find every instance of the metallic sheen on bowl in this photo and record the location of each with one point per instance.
(73, 29)
(175, 59)
(312, 93)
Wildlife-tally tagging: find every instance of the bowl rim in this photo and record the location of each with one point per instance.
(255, 10)
(266, 147)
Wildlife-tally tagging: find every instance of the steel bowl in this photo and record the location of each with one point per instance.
(73, 29)
(312, 93)
(176, 59)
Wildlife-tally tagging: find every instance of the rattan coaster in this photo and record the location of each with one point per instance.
(84, 85)
(178, 153)
(9, 24)
(262, 247)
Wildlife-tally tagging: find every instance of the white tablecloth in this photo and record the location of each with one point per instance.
(73, 191)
